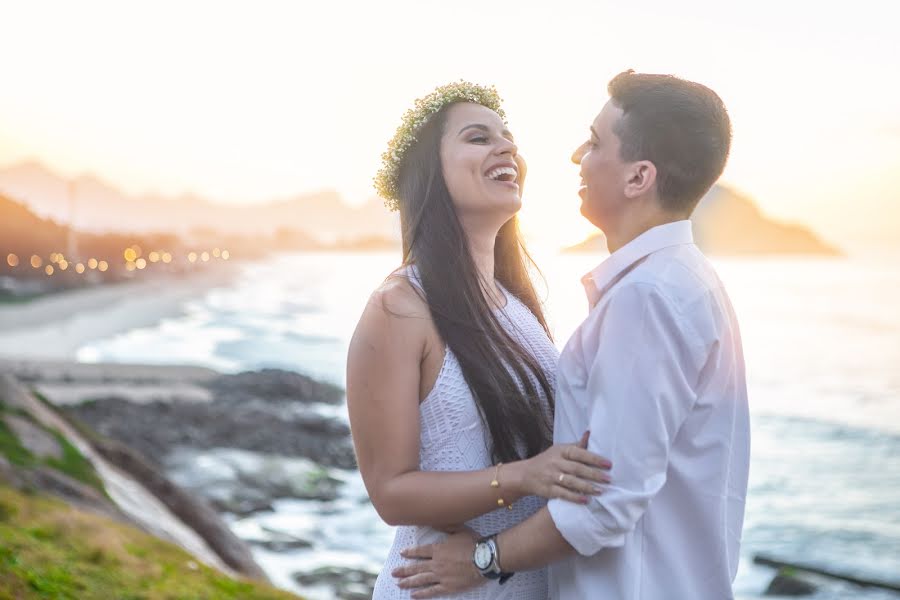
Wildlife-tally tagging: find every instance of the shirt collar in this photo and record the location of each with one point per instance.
(603, 276)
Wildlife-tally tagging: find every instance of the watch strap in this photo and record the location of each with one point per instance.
(493, 570)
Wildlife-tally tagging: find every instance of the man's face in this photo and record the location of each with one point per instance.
(603, 173)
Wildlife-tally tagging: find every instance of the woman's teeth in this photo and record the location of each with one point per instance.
(503, 174)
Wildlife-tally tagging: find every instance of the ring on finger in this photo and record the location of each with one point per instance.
(561, 477)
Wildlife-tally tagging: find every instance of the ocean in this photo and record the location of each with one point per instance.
(822, 345)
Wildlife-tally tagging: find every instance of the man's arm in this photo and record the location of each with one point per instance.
(447, 568)
(532, 544)
(641, 372)
(643, 358)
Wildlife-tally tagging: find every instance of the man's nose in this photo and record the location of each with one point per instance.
(578, 154)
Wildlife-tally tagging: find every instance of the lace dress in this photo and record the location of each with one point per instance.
(453, 438)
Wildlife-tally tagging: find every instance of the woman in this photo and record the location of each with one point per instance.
(451, 369)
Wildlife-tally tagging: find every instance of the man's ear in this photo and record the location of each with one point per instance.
(641, 177)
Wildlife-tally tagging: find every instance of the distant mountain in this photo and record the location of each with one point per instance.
(728, 223)
(99, 206)
(21, 230)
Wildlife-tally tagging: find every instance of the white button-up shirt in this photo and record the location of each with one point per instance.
(656, 373)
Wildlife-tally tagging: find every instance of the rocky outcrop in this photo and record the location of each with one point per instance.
(241, 482)
(190, 508)
(35, 455)
(55, 483)
(728, 223)
(270, 411)
(348, 584)
(787, 584)
(127, 486)
(204, 442)
(36, 440)
(274, 385)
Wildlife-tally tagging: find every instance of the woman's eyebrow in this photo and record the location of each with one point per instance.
(505, 133)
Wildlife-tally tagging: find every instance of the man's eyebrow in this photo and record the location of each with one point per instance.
(505, 133)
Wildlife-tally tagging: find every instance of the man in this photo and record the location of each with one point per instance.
(655, 373)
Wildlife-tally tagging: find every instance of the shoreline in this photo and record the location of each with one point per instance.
(237, 444)
(54, 327)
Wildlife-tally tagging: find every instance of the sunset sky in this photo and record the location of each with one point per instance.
(246, 102)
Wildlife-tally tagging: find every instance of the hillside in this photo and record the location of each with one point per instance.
(728, 223)
(55, 550)
(90, 204)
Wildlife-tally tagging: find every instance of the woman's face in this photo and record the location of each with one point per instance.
(480, 161)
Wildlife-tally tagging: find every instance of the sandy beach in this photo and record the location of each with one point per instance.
(55, 326)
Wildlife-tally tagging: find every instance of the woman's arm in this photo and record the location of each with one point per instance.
(383, 381)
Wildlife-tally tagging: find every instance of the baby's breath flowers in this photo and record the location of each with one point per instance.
(459, 91)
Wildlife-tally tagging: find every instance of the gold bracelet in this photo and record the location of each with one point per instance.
(496, 484)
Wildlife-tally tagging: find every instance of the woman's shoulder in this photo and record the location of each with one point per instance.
(398, 296)
(398, 304)
(395, 319)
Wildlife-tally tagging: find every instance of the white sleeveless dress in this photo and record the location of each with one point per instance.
(453, 438)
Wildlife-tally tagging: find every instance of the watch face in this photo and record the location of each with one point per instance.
(482, 556)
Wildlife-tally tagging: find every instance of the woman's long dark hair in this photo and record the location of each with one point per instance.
(506, 380)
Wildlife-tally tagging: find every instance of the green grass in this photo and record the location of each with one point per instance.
(12, 449)
(72, 462)
(53, 551)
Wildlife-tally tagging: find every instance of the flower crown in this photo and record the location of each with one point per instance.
(386, 180)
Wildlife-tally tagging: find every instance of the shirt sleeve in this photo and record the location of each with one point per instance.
(643, 358)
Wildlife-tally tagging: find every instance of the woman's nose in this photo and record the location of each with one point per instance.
(509, 147)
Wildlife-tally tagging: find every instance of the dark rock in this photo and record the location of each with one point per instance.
(242, 483)
(348, 584)
(283, 427)
(281, 545)
(784, 584)
(275, 385)
(241, 504)
(279, 541)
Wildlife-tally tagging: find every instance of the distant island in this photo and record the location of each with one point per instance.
(90, 204)
(728, 223)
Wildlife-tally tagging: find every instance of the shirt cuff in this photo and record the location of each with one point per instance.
(581, 528)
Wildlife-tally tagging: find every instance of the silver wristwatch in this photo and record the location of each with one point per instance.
(487, 559)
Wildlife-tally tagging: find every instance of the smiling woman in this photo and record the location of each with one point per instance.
(450, 371)
(480, 162)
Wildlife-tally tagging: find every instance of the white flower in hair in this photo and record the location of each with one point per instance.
(385, 180)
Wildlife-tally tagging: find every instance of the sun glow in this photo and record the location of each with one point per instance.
(309, 99)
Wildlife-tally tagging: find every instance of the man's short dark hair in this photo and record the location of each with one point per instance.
(680, 126)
